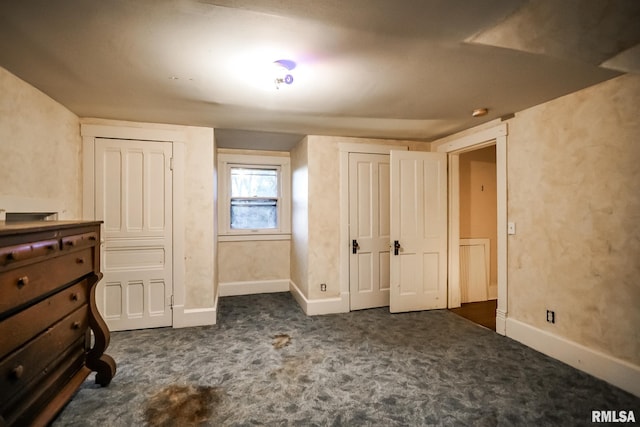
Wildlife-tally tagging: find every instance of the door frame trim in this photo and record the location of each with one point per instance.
(345, 148)
(89, 133)
(497, 136)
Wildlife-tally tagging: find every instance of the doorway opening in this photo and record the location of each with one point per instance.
(478, 236)
(469, 251)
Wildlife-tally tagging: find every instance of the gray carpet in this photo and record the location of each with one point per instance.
(366, 368)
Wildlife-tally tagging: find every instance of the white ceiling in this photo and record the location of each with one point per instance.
(403, 69)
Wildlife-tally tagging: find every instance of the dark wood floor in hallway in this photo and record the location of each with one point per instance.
(482, 313)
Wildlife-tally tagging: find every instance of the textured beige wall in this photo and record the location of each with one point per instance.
(574, 192)
(324, 217)
(253, 260)
(300, 216)
(324, 209)
(40, 150)
(478, 203)
(199, 209)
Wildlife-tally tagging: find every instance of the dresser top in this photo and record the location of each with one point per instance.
(9, 228)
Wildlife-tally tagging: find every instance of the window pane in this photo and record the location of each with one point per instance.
(254, 214)
(247, 182)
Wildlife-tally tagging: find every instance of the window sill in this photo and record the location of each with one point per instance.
(252, 237)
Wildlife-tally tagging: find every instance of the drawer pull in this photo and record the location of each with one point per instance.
(75, 325)
(74, 296)
(92, 238)
(70, 242)
(17, 372)
(80, 260)
(22, 281)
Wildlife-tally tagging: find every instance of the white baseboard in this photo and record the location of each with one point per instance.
(501, 322)
(316, 307)
(188, 317)
(618, 372)
(227, 289)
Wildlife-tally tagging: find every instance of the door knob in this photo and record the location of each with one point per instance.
(396, 247)
(355, 246)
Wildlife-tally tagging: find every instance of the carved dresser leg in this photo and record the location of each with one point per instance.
(102, 364)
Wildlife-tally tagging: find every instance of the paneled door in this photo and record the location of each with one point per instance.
(418, 231)
(133, 196)
(369, 230)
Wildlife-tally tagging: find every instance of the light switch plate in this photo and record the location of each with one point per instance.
(511, 228)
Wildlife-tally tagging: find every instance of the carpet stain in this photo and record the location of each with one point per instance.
(182, 405)
(281, 340)
(292, 366)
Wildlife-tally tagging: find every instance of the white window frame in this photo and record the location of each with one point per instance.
(225, 163)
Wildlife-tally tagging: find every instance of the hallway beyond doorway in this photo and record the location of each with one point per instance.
(482, 313)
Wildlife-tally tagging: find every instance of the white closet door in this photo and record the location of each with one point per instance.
(133, 184)
(369, 229)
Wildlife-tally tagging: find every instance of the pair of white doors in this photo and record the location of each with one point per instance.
(398, 230)
(133, 197)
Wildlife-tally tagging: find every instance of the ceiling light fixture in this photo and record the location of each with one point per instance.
(479, 112)
(282, 72)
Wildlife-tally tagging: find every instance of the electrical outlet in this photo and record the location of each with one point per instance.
(551, 316)
(323, 287)
(511, 228)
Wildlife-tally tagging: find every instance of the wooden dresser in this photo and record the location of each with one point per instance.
(48, 276)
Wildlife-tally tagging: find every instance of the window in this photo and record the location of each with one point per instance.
(254, 198)
(254, 195)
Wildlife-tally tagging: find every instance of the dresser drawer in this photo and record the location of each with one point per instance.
(26, 251)
(35, 359)
(23, 284)
(80, 240)
(17, 330)
(23, 406)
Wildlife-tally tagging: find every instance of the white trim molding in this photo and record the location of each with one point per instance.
(317, 307)
(131, 132)
(226, 162)
(188, 317)
(470, 142)
(181, 317)
(497, 136)
(618, 372)
(179, 246)
(226, 289)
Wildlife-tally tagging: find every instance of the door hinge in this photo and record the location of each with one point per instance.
(170, 163)
(171, 302)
